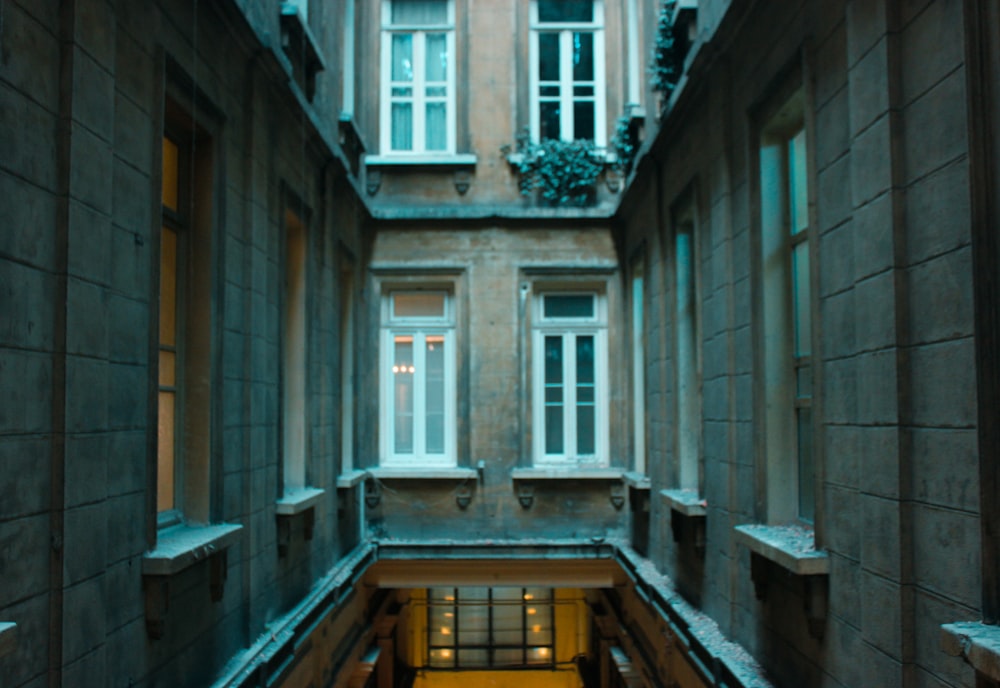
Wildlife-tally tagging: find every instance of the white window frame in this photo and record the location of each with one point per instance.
(419, 99)
(569, 329)
(295, 340)
(419, 328)
(566, 97)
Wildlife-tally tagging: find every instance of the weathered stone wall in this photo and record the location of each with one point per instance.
(81, 102)
(898, 461)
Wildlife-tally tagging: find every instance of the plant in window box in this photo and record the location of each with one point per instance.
(668, 53)
(564, 172)
(625, 144)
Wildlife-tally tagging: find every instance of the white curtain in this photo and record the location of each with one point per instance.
(419, 12)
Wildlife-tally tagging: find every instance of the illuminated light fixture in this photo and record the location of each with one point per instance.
(449, 614)
(537, 628)
(395, 369)
(531, 610)
(528, 596)
(412, 369)
(445, 630)
(446, 653)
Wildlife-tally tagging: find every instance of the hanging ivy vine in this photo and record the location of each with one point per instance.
(564, 172)
(668, 52)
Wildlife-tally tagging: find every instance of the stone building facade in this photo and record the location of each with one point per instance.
(292, 371)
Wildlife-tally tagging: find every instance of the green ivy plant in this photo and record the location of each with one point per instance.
(624, 144)
(668, 52)
(564, 172)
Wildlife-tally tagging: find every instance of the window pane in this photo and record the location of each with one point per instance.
(798, 188)
(443, 658)
(418, 304)
(403, 371)
(434, 360)
(473, 659)
(807, 494)
(402, 57)
(583, 120)
(402, 126)
(801, 299)
(507, 657)
(583, 56)
(538, 655)
(437, 127)
(585, 412)
(168, 369)
(565, 10)
(549, 114)
(583, 91)
(548, 56)
(549, 91)
(419, 12)
(553, 395)
(171, 168)
(168, 287)
(436, 68)
(165, 453)
(569, 306)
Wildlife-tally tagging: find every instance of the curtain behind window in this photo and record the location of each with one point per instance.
(419, 12)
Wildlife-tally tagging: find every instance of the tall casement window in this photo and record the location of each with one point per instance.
(490, 628)
(570, 379)
(294, 348)
(567, 70)
(638, 365)
(183, 332)
(786, 245)
(418, 373)
(418, 76)
(687, 360)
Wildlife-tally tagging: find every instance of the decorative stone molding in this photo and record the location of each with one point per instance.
(687, 506)
(975, 642)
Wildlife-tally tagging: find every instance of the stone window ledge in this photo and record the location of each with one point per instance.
(405, 473)
(178, 548)
(8, 637)
(296, 501)
(422, 160)
(637, 481)
(790, 547)
(351, 479)
(977, 643)
(181, 546)
(686, 502)
(567, 473)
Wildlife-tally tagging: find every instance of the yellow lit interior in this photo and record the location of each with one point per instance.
(171, 174)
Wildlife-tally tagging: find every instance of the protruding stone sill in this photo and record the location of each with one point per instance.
(298, 500)
(351, 479)
(8, 638)
(637, 481)
(179, 547)
(686, 502)
(444, 473)
(977, 643)
(421, 160)
(567, 473)
(797, 554)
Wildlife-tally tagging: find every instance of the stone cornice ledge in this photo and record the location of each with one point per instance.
(295, 501)
(8, 637)
(791, 547)
(443, 473)
(975, 642)
(179, 547)
(567, 473)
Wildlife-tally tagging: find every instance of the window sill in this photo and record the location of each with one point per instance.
(976, 643)
(791, 547)
(567, 473)
(8, 638)
(404, 473)
(296, 501)
(345, 481)
(637, 481)
(179, 547)
(686, 502)
(421, 160)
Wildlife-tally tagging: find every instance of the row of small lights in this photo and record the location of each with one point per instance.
(403, 369)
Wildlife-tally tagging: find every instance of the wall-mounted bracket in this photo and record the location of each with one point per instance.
(373, 494)
(373, 180)
(463, 180)
(617, 495)
(463, 496)
(525, 495)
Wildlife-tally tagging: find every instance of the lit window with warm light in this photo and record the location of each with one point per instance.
(418, 387)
